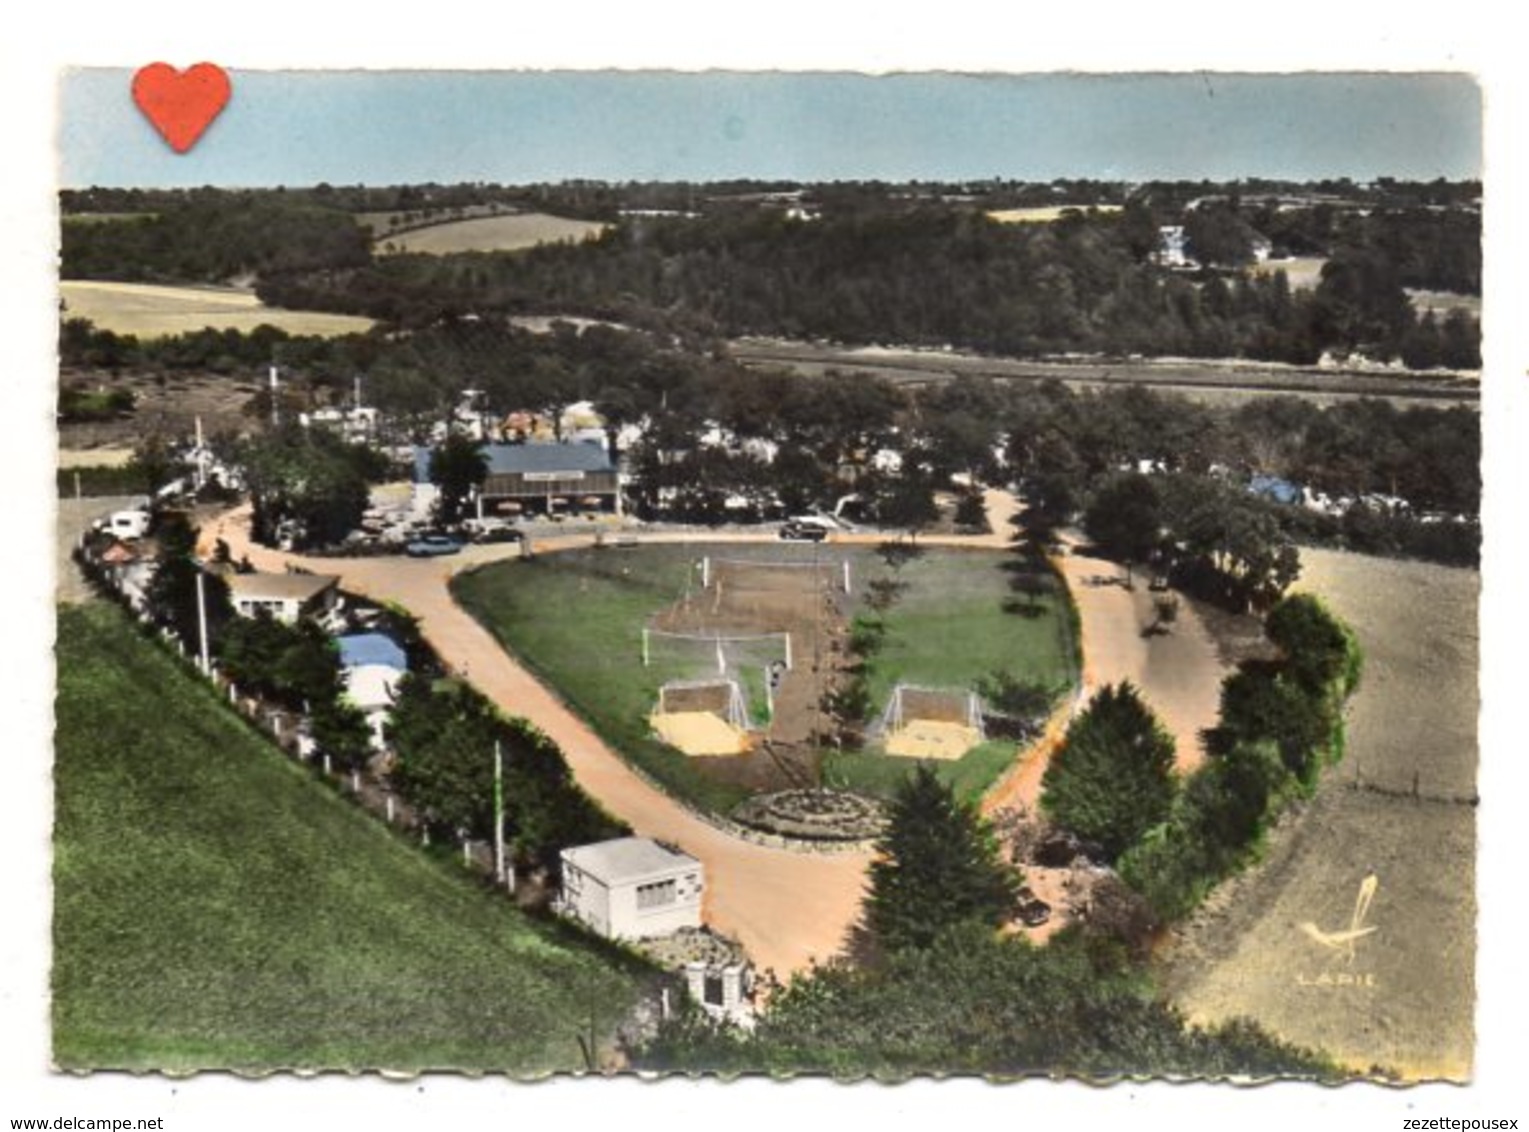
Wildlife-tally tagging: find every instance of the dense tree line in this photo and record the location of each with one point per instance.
(910, 263)
(213, 241)
(1281, 724)
(936, 274)
(1113, 783)
(444, 735)
(298, 666)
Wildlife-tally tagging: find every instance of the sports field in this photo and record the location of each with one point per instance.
(216, 907)
(577, 619)
(148, 310)
(510, 233)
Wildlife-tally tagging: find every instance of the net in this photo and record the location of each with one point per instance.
(782, 576)
(930, 722)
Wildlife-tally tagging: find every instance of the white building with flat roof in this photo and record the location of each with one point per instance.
(631, 888)
(286, 597)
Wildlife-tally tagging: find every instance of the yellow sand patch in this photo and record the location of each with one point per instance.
(932, 739)
(150, 311)
(698, 732)
(1047, 214)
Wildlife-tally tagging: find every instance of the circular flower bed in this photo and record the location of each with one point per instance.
(815, 815)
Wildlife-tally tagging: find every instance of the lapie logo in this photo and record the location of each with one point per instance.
(1345, 941)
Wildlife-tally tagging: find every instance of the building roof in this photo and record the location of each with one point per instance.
(544, 459)
(507, 459)
(360, 649)
(627, 860)
(279, 587)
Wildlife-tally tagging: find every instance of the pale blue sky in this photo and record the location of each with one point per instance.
(390, 127)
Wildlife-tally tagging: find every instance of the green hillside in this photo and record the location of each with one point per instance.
(215, 906)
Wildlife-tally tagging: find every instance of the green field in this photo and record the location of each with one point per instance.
(217, 907)
(879, 775)
(575, 619)
(949, 628)
(506, 233)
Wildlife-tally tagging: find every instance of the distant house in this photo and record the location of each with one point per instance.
(286, 597)
(533, 477)
(1275, 489)
(631, 888)
(1173, 247)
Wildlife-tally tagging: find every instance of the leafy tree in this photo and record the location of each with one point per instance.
(1218, 235)
(1016, 704)
(444, 736)
(307, 478)
(971, 512)
(457, 467)
(172, 592)
(1125, 518)
(340, 731)
(975, 1003)
(1259, 702)
(1319, 650)
(1113, 778)
(938, 866)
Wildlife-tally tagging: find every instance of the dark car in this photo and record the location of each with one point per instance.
(1034, 913)
(501, 534)
(803, 532)
(432, 546)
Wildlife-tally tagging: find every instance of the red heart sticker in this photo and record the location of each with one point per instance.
(181, 104)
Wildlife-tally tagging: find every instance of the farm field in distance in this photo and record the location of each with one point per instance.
(506, 233)
(1398, 808)
(576, 618)
(215, 907)
(148, 310)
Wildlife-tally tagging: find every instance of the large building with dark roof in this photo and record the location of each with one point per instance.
(539, 478)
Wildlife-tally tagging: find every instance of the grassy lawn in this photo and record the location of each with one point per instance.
(575, 619)
(949, 628)
(879, 775)
(214, 906)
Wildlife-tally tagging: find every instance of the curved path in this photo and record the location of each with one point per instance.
(786, 908)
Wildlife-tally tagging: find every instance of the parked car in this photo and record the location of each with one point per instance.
(1034, 913)
(432, 546)
(500, 534)
(802, 532)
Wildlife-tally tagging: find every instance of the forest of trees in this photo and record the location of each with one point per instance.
(909, 264)
(1067, 449)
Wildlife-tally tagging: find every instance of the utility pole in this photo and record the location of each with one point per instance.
(201, 619)
(499, 870)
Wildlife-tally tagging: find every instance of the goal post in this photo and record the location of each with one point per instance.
(910, 703)
(721, 652)
(785, 575)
